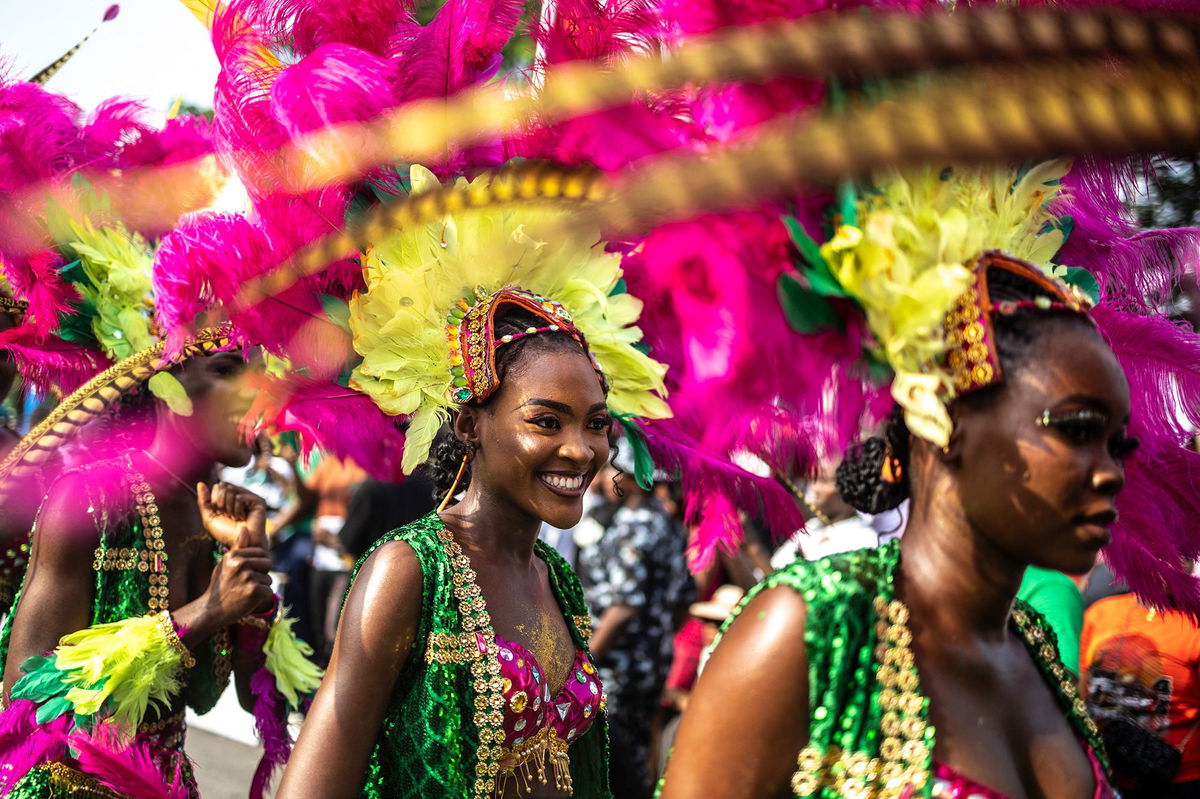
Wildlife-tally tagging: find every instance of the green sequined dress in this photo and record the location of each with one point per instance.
(122, 591)
(440, 738)
(869, 734)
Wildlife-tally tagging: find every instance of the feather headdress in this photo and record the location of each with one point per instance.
(904, 254)
(418, 278)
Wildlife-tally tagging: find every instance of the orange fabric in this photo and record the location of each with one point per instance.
(1144, 666)
(332, 482)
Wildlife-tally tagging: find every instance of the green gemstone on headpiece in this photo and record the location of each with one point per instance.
(463, 394)
(459, 381)
(457, 370)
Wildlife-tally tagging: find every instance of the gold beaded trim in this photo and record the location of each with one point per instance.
(222, 658)
(584, 625)
(527, 761)
(452, 648)
(168, 630)
(65, 780)
(1036, 640)
(14, 307)
(485, 671)
(907, 745)
(122, 559)
(156, 556)
(155, 727)
(969, 357)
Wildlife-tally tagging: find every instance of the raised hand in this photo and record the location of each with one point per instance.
(226, 510)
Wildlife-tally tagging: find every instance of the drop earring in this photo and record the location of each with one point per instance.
(467, 457)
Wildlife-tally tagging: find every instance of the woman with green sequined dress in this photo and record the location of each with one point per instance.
(461, 667)
(911, 669)
(127, 538)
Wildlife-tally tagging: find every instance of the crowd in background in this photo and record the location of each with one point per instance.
(653, 619)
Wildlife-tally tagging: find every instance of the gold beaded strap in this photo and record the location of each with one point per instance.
(172, 635)
(155, 555)
(485, 670)
(906, 749)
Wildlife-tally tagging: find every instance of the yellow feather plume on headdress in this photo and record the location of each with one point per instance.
(417, 275)
(910, 258)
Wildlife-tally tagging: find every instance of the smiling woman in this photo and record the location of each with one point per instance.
(474, 631)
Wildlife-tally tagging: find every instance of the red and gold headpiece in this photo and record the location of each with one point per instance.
(471, 334)
(971, 345)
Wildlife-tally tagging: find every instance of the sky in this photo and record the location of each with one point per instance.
(154, 51)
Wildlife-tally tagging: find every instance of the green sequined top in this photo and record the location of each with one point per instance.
(441, 735)
(122, 587)
(868, 720)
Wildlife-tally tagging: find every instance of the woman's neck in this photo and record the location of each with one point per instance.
(487, 525)
(951, 576)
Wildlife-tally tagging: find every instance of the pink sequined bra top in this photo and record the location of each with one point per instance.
(539, 727)
(950, 784)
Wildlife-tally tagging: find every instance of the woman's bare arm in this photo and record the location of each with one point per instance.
(376, 630)
(747, 718)
(57, 595)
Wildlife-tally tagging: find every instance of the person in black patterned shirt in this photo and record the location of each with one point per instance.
(636, 582)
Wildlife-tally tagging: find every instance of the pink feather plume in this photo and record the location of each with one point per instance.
(49, 362)
(270, 721)
(128, 767)
(342, 421)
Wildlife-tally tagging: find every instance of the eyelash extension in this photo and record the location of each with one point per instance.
(1084, 415)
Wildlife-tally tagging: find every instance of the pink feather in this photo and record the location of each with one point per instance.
(39, 135)
(336, 83)
(205, 261)
(459, 47)
(308, 24)
(128, 767)
(35, 278)
(1159, 525)
(270, 721)
(342, 421)
(25, 744)
(48, 362)
(713, 487)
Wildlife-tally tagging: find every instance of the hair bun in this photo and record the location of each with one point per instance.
(860, 478)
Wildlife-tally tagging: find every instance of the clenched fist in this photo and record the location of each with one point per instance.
(226, 511)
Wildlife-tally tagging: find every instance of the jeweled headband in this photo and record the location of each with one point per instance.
(471, 334)
(971, 357)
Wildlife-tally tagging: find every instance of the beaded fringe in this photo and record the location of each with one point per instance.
(530, 763)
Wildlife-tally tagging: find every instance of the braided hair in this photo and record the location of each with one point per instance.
(447, 453)
(873, 477)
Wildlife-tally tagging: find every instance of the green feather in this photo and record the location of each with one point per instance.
(815, 269)
(1085, 281)
(847, 197)
(50, 710)
(643, 462)
(806, 310)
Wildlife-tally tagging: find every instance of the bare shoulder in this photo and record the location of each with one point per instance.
(385, 597)
(65, 523)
